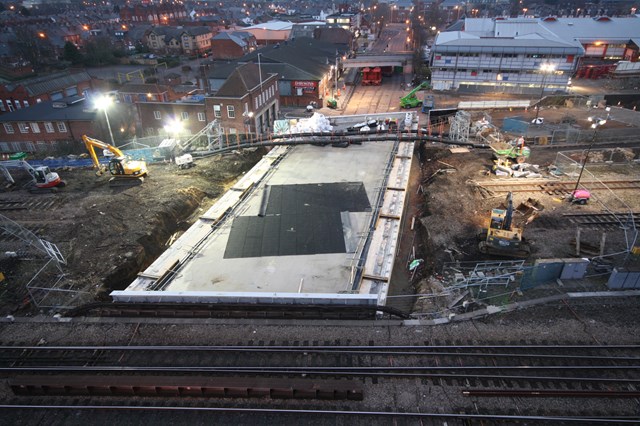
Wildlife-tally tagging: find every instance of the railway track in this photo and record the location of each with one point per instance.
(36, 203)
(551, 187)
(604, 221)
(195, 377)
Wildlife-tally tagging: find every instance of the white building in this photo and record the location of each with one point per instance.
(512, 55)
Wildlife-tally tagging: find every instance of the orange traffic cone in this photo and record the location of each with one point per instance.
(338, 94)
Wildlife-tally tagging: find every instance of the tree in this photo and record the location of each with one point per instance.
(99, 51)
(33, 47)
(72, 54)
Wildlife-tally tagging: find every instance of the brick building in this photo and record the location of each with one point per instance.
(248, 101)
(42, 127)
(136, 93)
(26, 93)
(164, 13)
(154, 116)
(232, 45)
(305, 66)
(179, 40)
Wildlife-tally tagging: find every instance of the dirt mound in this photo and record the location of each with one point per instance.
(108, 235)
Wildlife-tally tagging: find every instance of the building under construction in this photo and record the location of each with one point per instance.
(308, 224)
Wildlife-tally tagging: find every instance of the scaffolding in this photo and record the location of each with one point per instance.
(460, 126)
(41, 277)
(462, 276)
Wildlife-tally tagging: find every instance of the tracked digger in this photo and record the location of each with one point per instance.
(502, 238)
(124, 171)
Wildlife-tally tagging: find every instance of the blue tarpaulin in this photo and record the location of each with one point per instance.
(145, 154)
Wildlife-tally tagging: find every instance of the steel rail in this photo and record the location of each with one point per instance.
(308, 370)
(456, 376)
(327, 347)
(548, 182)
(553, 393)
(497, 417)
(29, 357)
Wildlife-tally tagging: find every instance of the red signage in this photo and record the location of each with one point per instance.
(305, 84)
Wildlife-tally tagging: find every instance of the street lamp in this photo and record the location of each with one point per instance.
(248, 116)
(596, 122)
(104, 102)
(173, 127)
(545, 69)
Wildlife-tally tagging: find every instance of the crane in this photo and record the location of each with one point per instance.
(122, 168)
(410, 100)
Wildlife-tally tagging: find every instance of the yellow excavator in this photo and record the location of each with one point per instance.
(502, 238)
(123, 169)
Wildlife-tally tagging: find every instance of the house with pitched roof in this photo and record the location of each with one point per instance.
(48, 124)
(51, 87)
(232, 45)
(179, 40)
(305, 68)
(247, 102)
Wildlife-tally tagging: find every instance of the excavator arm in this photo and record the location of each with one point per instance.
(120, 166)
(92, 144)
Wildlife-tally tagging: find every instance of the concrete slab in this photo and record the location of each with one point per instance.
(195, 267)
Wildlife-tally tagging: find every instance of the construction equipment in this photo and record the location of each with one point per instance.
(580, 196)
(410, 100)
(371, 76)
(428, 103)
(43, 179)
(516, 151)
(123, 169)
(501, 237)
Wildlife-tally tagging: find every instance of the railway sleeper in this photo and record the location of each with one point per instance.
(173, 386)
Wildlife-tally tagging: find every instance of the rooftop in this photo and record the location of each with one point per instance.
(297, 233)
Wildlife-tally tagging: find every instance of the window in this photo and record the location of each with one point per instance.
(255, 100)
(232, 131)
(2, 107)
(18, 104)
(216, 111)
(4, 147)
(10, 106)
(201, 116)
(26, 104)
(48, 126)
(157, 115)
(23, 127)
(8, 128)
(231, 112)
(185, 115)
(62, 128)
(35, 128)
(31, 147)
(150, 131)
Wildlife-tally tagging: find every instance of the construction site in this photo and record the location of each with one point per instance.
(431, 216)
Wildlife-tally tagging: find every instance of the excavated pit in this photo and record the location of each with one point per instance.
(174, 218)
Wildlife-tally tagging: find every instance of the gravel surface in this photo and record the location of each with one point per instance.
(587, 322)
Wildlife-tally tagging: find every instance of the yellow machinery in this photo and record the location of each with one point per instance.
(501, 237)
(121, 168)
